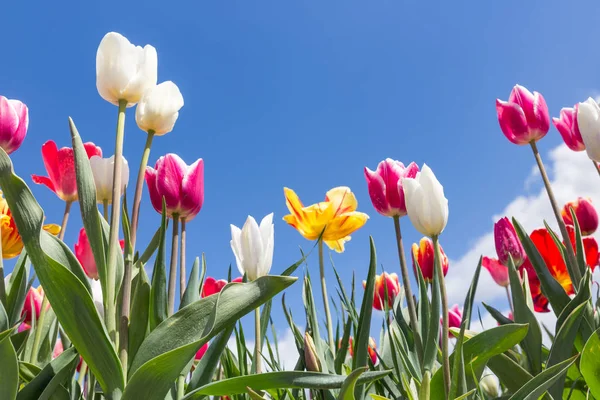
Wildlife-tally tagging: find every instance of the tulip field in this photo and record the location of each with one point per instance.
(117, 316)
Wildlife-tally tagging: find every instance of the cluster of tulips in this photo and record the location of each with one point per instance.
(98, 326)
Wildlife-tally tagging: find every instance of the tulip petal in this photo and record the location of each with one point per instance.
(343, 199)
(513, 122)
(588, 119)
(155, 197)
(236, 246)
(169, 179)
(252, 247)
(337, 245)
(192, 190)
(345, 224)
(43, 180)
(377, 191)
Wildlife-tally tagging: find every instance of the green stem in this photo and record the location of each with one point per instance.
(105, 209)
(63, 225)
(38, 330)
(2, 284)
(412, 310)
(572, 265)
(173, 268)
(182, 271)
(139, 185)
(326, 299)
(445, 328)
(257, 342)
(113, 239)
(180, 387)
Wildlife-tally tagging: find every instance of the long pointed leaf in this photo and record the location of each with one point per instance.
(536, 387)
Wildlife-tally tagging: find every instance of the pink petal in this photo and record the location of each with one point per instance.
(92, 150)
(66, 182)
(170, 175)
(498, 271)
(192, 190)
(376, 187)
(155, 197)
(513, 122)
(9, 119)
(43, 180)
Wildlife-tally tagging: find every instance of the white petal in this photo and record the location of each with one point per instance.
(252, 247)
(588, 120)
(235, 242)
(159, 108)
(267, 230)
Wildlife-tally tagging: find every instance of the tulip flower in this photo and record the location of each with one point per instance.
(83, 252)
(423, 255)
(124, 71)
(311, 359)
(588, 120)
(385, 186)
(393, 289)
(33, 304)
(586, 214)
(336, 217)
(200, 352)
(14, 121)
(60, 166)
(103, 169)
(97, 296)
(182, 186)
(508, 243)
(212, 286)
(497, 270)
(426, 204)
(454, 318)
(253, 246)
(524, 117)
(568, 128)
(159, 108)
(372, 349)
(490, 385)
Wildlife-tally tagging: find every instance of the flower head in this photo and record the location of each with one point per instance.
(497, 270)
(159, 108)
(385, 186)
(423, 254)
(454, 317)
(586, 214)
(508, 243)
(385, 283)
(212, 286)
(253, 246)
(14, 121)
(425, 202)
(103, 169)
(83, 252)
(33, 304)
(524, 117)
(588, 120)
(568, 128)
(372, 349)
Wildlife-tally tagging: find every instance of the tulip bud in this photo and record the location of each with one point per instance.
(426, 204)
(586, 214)
(490, 385)
(253, 246)
(508, 243)
(568, 128)
(311, 360)
(33, 304)
(454, 318)
(200, 352)
(498, 271)
(97, 296)
(588, 120)
(124, 71)
(102, 170)
(14, 121)
(524, 117)
(424, 255)
(159, 108)
(385, 186)
(385, 282)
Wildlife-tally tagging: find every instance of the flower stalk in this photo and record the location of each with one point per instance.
(139, 185)
(445, 323)
(326, 299)
(173, 266)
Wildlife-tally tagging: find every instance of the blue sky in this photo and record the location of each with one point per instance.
(304, 95)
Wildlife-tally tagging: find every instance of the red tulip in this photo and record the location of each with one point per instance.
(212, 286)
(586, 214)
(60, 166)
(393, 288)
(498, 271)
(14, 121)
(200, 352)
(524, 117)
(85, 256)
(423, 254)
(372, 349)
(385, 186)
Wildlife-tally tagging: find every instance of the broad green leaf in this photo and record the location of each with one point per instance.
(537, 386)
(590, 363)
(51, 376)
(17, 291)
(579, 249)
(27, 371)
(510, 374)
(192, 290)
(347, 390)
(168, 349)
(205, 370)
(64, 282)
(9, 371)
(152, 246)
(140, 309)
(158, 291)
(279, 380)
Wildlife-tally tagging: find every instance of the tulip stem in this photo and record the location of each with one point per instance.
(572, 265)
(257, 342)
(139, 185)
(182, 261)
(412, 310)
(105, 209)
(508, 296)
(2, 284)
(445, 328)
(38, 329)
(326, 298)
(180, 387)
(63, 225)
(110, 313)
(173, 268)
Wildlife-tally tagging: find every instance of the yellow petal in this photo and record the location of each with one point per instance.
(52, 229)
(343, 199)
(308, 221)
(337, 245)
(343, 225)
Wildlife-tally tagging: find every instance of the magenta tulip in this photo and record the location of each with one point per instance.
(83, 253)
(508, 243)
(454, 319)
(498, 271)
(14, 121)
(181, 186)
(524, 117)
(385, 186)
(568, 127)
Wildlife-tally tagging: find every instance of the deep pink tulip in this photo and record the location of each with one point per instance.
(498, 271)
(586, 214)
(508, 243)
(201, 352)
(181, 186)
(568, 128)
(85, 256)
(385, 186)
(14, 121)
(524, 117)
(454, 319)
(32, 305)
(60, 165)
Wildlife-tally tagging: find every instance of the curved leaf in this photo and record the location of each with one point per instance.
(50, 377)
(347, 390)
(536, 387)
(590, 363)
(9, 371)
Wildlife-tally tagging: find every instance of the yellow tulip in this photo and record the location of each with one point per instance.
(336, 217)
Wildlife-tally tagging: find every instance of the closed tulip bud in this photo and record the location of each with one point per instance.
(568, 128)
(524, 117)
(124, 71)
(14, 121)
(423, 254)
(586, 214)
(454, 318)
(159, 108)
(385, 186)
(498, 271)
(588, 119)
(103, 169)
(33, 304)
(253, 246)
(385, 283)
(508, 243)
(490, 385)
(311, 360)
(425, 202)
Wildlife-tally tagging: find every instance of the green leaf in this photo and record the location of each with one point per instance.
(537, 386)
(9, 371)
(17, 292)
(140, 312)
(340, 355)
(579, 248)
(192, 290)
(63, 280)
(27, 371)
(510, 374)
(158, 291)
(205, 370)
(152, 246)
(347, 390)
(590, 363)
(280, 380)
(51, 376)
(168, 349)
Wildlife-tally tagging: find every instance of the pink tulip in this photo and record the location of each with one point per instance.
(508, 243)
(181, 186)
(586, 214)
(385, 186)
(201, 352)
(568, 128)
(454, 317)
(33, 304)
(85, 256)
(524, 117)
(498, 271)
(14, 121)
(60, 165)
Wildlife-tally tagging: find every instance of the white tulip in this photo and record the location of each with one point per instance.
(124, 71)
(489, 384)
(97, 296)
(426, 204)
(159, 108)
(102, 169)
(588, 120)
(253, 246)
